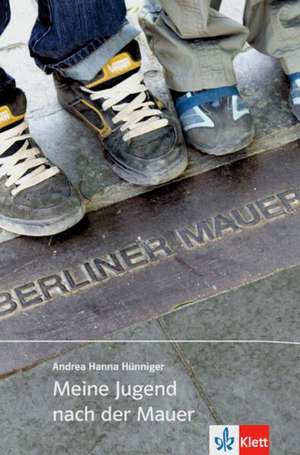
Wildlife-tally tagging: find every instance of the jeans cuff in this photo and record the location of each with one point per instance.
(87, 68)
(125, 35)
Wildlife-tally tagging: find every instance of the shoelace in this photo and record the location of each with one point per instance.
(139, 116)
(26, 167)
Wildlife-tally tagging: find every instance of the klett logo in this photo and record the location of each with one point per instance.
(225, 443)
(239, 440)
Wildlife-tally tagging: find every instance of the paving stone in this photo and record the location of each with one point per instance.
(175, 245)
(266, 310)
(242, 384)
(249, 383)
(27, 404)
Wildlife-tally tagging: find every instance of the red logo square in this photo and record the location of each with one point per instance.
(254, 440)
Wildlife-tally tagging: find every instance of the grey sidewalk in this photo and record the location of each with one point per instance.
(224, 383)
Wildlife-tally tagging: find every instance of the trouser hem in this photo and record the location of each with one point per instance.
(87, 69)
(196, 82)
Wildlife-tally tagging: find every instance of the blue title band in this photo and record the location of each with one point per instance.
(185, 103)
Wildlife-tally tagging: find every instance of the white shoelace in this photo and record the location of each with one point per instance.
(139, 116)
(17, 167)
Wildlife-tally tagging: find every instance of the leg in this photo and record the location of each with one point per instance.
(90, 48)
(7, 83)
(5, 15)
(35, 197)
(196, 45)
(275, 30)
(193, 34)
(69, 31)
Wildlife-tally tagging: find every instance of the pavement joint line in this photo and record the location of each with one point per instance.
(32, 115)
(184, 305)
(190, 372)
(41, 362)
(170, 341)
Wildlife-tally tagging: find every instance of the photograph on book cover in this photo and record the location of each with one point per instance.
(149, 247)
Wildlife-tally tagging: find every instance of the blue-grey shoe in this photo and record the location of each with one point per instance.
(216, 121)
(294, 100)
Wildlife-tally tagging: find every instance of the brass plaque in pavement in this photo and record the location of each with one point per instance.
(147, 256)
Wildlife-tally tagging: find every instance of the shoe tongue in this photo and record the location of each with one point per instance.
(120, 67)
(12, 110)
(11, 115)
(8, 119)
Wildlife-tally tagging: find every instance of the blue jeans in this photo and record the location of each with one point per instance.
(68, 32)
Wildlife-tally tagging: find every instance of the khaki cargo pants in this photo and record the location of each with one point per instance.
(196, 44)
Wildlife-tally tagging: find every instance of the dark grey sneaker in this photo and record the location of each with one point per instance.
(36, 198)
(142, 140)
(216, 122)
(294, 100)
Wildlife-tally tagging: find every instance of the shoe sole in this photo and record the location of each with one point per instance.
(131, 175)
(230, 149)
(42, 228)
(155, 179)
